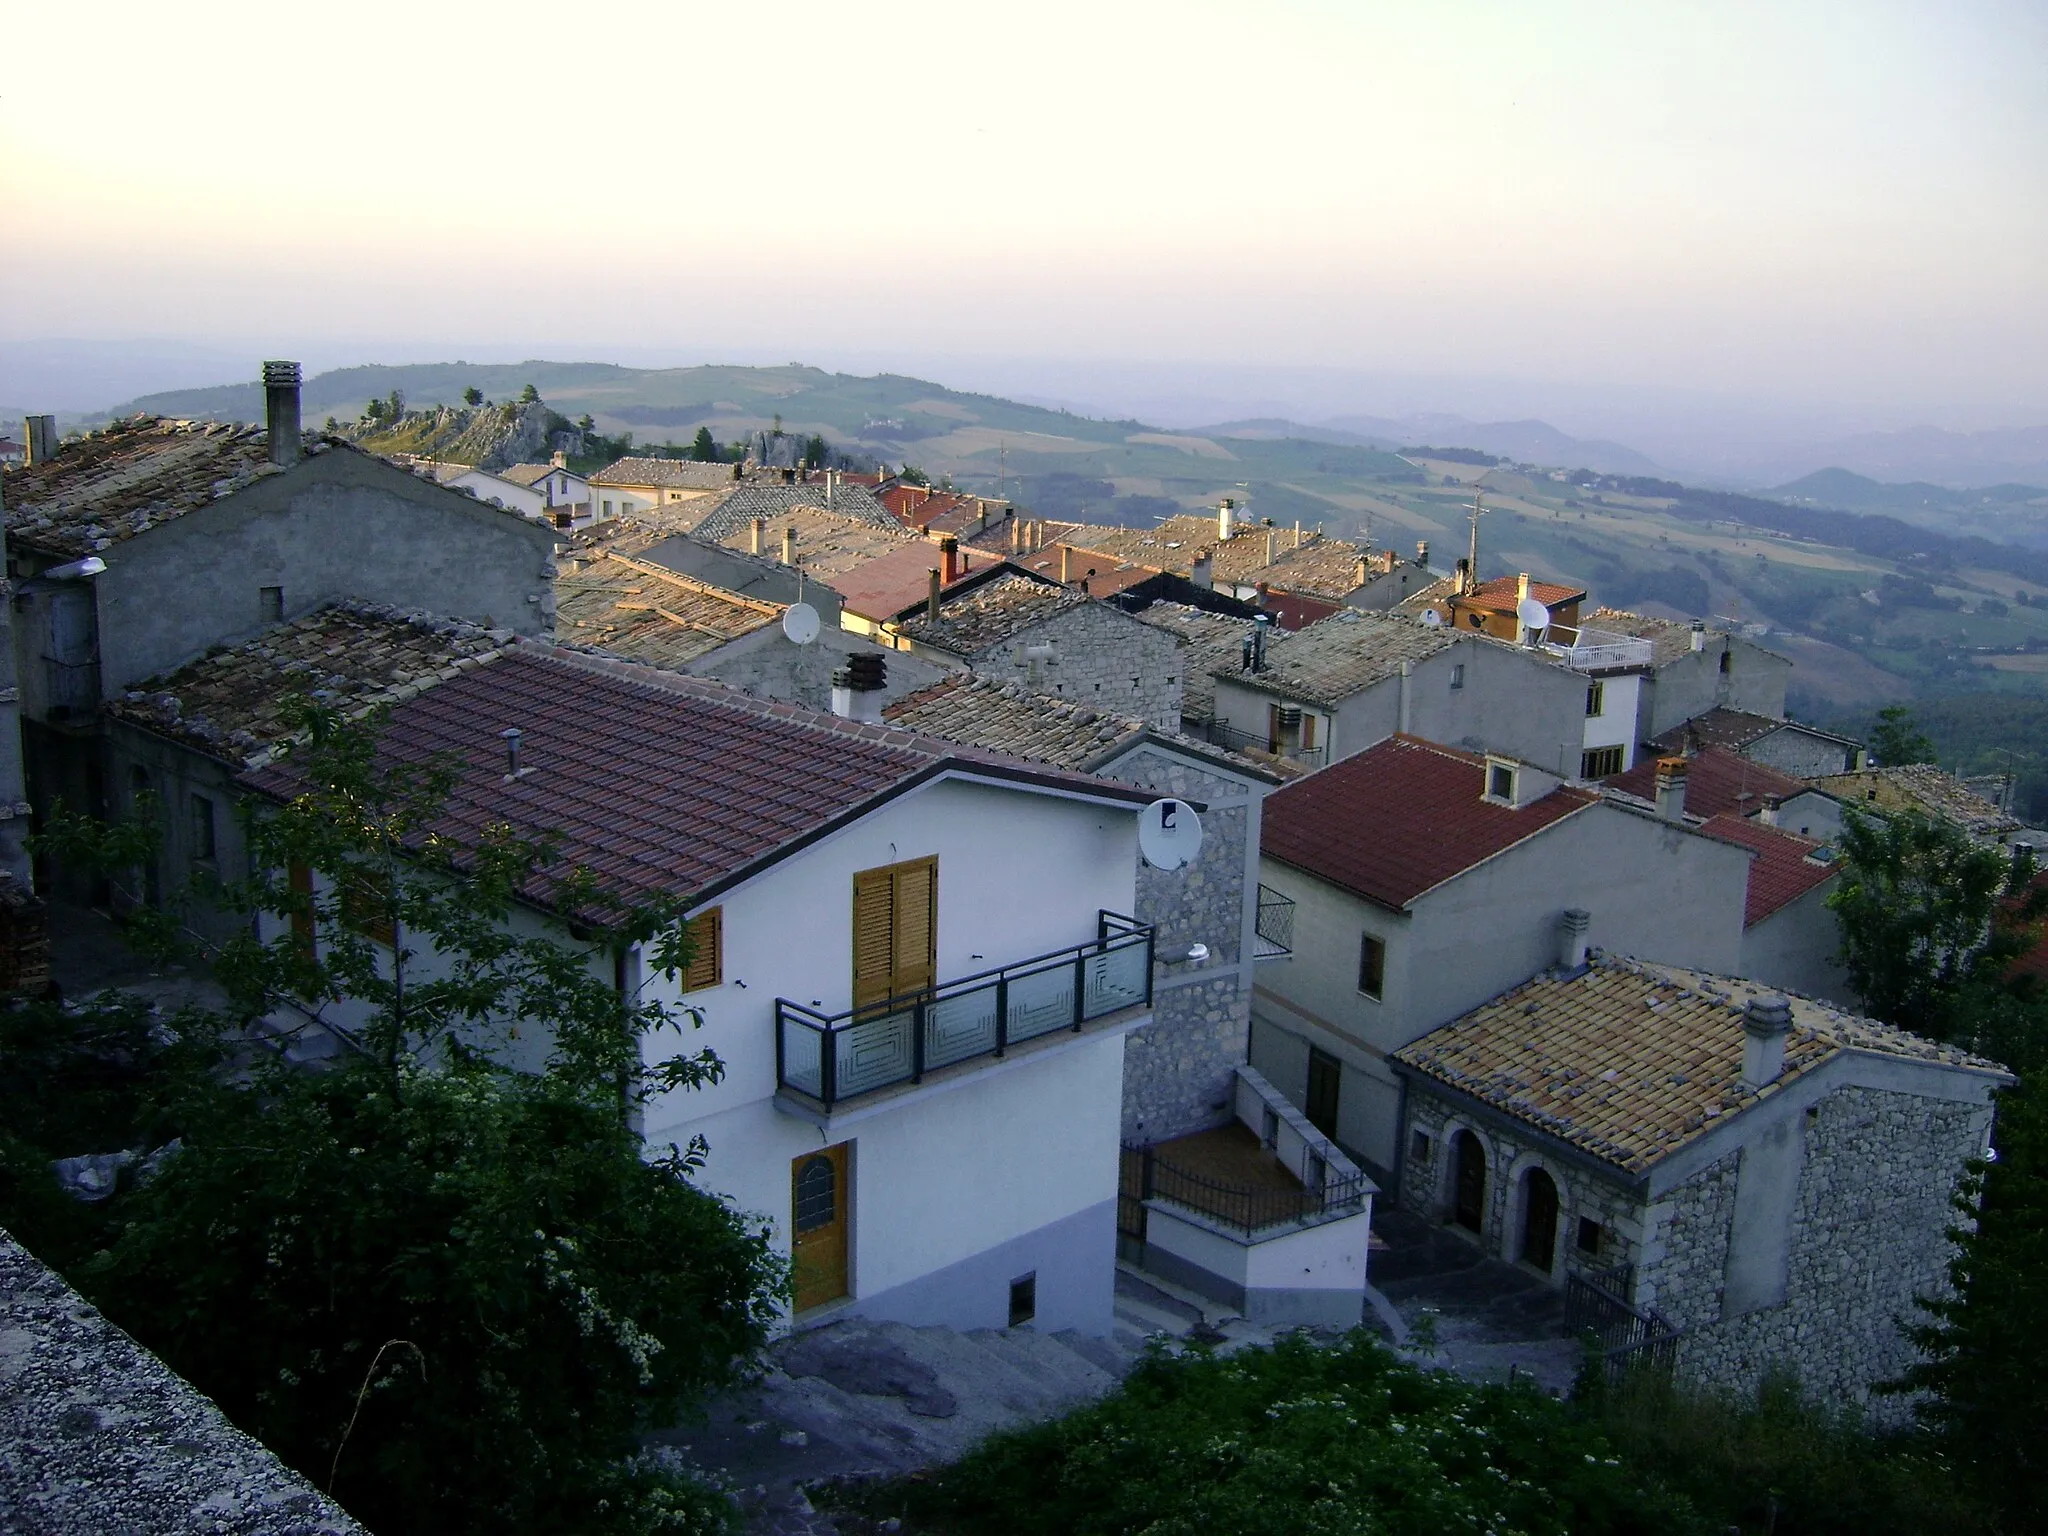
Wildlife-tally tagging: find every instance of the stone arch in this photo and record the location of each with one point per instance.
(1458, 1138)
(1515, 1215)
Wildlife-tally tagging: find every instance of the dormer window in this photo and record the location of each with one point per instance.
(1500, 782)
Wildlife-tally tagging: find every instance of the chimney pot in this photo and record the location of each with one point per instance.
(789, 545)
(281, 410)
(1699, 635)
(857, 687)
(949, 557)
(1272, 545)
(1359, 571)
(1571, 938)
(1521, 586)
(1671, 773)
(757, 535)
(1765, 1023)
(1226, 519)
(510, 736)
(1769, 814)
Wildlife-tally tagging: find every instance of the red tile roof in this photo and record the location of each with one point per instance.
(1781, 872)
(1400, 819)
(1716, 781)
(894, 583)
(1503, 592)
(658, 783)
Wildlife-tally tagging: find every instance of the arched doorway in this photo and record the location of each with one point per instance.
(1539, 1219)
(1468, 1201)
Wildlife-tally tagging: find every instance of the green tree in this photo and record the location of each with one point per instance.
(472, 396)
(816, 452)
(704, 449)
(394, 405)
(1916, 904)
(910, 474)
(455, 1292)
(1897, 739)
(529, 395)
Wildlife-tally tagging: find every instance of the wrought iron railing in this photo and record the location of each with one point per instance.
(1150, 1175)
(834, 1057)
(1626, 1337)
(1274, 931)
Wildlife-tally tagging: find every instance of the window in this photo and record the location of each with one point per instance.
(270, 604)
(1727, 662)
(1596, 697)
(1372, 965)
(1458, 674)
(1600, 762)
(1589, 1236)
(1023, 1298)
(203, 844)
(706, 935)
(607, 509)
(1500, 781)
(895, 931)
(1325, 1084)
(1418, 1147)
(367, 907)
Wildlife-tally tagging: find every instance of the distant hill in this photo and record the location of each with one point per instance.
(1278, 428)
(1526, 442)
(1951, 459)
(1836, 487)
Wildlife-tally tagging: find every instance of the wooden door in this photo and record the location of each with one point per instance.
(1539, 1219)
(1325, 1083)
(820, 1201)
(1469, 1206)
(895, 931)
(1273, 728)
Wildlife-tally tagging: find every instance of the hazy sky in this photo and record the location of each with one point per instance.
(1789, 201)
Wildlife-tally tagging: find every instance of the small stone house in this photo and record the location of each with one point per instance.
(1803, 751)
(1767, 1177)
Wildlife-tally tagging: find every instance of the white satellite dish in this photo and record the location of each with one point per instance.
(1534, 616)
(1169, 834)
(1432, 618)
(800, 623)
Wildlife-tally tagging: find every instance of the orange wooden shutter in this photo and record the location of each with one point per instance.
(916, 947)
(707, 951)
(873, 935)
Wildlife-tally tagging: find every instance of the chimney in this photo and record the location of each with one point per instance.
(931, 599)
(1016, 535)
(1571, 939)
(1671, 788)
(857, 687)
(559, 459)
(1226, 519)
(281, 410)
(1765, 1023)
(1359, 571)
(510, 736)
(1769, 814)
(1522, 587)
(1272, 545)
(1066, 563)
(757, 535)
(949, 557)
(1422, 552)
(789, 545)
(39, 438)
(1203, 572)
(1464, 573)
(1699, 635)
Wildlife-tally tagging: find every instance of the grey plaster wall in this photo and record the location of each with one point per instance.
(1073, 1260)
(1796, 948)
(1694, 683)
(179, 777)
(1098, 655)
(1802, 755)
(340, 524)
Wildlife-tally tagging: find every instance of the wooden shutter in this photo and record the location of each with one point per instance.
(895, 930)
(874, 929)
(1272, 727)
(707, 951)
(917, 892)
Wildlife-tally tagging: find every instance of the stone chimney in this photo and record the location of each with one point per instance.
(1016, 535)
(789, 545)
(1571, 939)
(1203, 572)
(1671, 788)
(949, 557)
(1226, 519)
(857, 687)
(1765, 1023)
(931, 596)
(1769, 814)
(1360, 570)
(757, 535)
(281, 410)
(39, 438)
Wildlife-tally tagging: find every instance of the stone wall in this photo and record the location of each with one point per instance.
(1868, 1238)
(1096, 655)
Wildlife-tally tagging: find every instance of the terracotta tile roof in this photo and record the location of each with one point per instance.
(1631, 1062)
(1502, 593)
(1317, 566)
(973, 621)
(645, 613)
(667, 474)
(1102, 576)
(1921, 788)
(353, 655)
(113, 484)
(1716, 781)
(882, 586)
(1400, 819)
(1784, 869)
(1002, 717)
(1331, 660)
(1211, 643)
(655, 782)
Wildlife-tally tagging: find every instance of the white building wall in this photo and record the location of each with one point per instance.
(1615, 725)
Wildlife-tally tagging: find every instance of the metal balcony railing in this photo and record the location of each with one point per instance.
(1218, 734)
(1274, 932)
(1587, 650)
(1152, 1174)
(835, 1057)
(73, 688)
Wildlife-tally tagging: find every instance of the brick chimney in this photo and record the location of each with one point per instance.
(281, 410)
(1671, 773)
(1571, 938)
(949, 558)
(1765, 1023)
(857, 687)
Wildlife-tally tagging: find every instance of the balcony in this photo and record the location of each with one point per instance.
(1585, 649)
(71, 689)
(1260, 745)
(831, 1058)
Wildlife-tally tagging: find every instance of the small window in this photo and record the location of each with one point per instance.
(1418, 1147)
(607, 509)
(706, 935)
(1600, 763)
(1589, 1236)
(270, 604)
(1372, 965)
(1596, 697)
(1727, 662)
(1308, 731)
(1023, 1298)
(366, 908)
(203, 842)
(1500, 781)
(1458, 674)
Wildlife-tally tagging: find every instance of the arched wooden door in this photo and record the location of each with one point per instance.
(1539, 1219)
(820, 1198)
(1468, 1203)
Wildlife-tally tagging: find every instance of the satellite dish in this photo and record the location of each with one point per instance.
(1169, 834)
(1432, 618)
(1534, 615)
(800, 623)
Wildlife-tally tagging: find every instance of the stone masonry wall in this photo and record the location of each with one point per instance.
(1868, 1239)
(1177, 1072)
(1100, 656)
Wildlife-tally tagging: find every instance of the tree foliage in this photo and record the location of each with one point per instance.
(472, 397)
(1897, 739)
(454, 1292)
(704, 449)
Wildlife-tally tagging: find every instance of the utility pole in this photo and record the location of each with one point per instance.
(1472, 562)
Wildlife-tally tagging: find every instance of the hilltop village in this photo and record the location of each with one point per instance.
(1216, 904)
